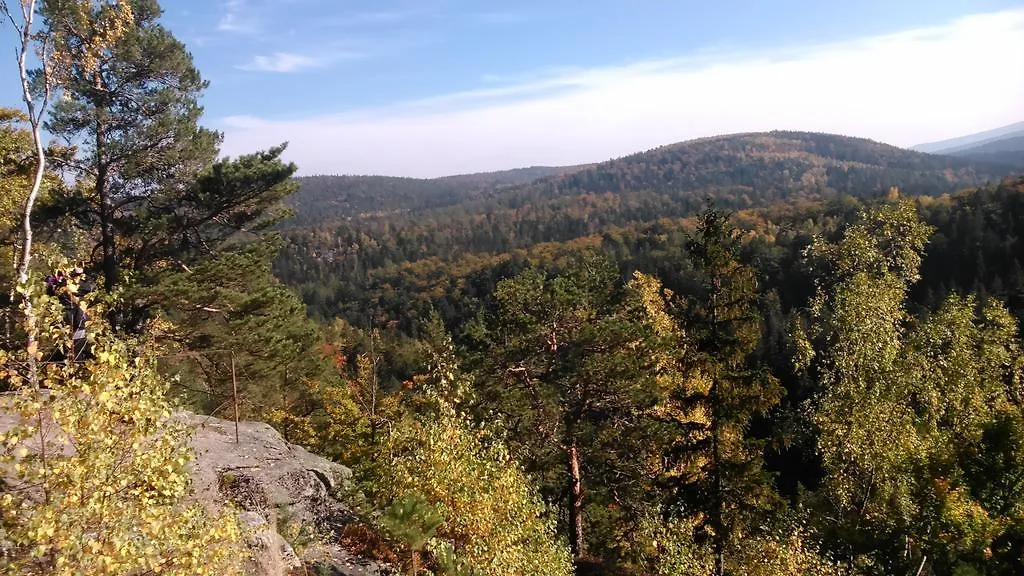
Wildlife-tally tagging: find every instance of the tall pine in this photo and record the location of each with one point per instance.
(569, 367)
(723, 329)
(149, 178)
(131, 108)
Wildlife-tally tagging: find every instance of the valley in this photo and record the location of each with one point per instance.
(672, 342)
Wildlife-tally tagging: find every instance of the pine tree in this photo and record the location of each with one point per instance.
(132, 109)
(570, 367)
(150, 181)
(230, 308)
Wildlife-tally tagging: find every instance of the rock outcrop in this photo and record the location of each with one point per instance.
(289, 501)
(289, 498)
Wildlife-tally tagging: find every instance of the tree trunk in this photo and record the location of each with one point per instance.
(576, 506)
(103, 193)
(106, 226)
(718, 500)
(35, 119)
(718, 503)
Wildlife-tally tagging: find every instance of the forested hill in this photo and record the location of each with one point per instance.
(760, 168)
(324, 198)
(394, 219)
(740, 170)
(339, 263)
(544, 372)
(1008, 150)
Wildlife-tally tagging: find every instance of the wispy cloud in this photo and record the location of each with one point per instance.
(284, 62)
(499, 17)
(378, 18)
(238, 18)
(902, 88)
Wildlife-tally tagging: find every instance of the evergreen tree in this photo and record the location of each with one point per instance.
(188, 227)
(132, 109)
(230, 309)
(723, 328)
(149, 179)
(570, 368)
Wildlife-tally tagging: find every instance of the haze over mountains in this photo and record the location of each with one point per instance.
(1003, 145)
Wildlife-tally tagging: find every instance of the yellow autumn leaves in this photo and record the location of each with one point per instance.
(97, 480)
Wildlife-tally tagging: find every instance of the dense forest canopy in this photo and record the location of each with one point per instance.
(771, 354)
(504, 274)
(744, 169)
(327, 198)
(335, 265)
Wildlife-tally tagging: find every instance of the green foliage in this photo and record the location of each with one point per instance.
(182, 233)
(904, 400)
(151, 182)
(978, 246)
(230, 201)
(644, 422)
(571, 367)
(230, 305)
(723, 327)
(493, 519)
(669, 548)
(412, 521)
(131, 106)
(362, 236)
(17, 169)
(327, 198)
(789, 553)
(344, 411)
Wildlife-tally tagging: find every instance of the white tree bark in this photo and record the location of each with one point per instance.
(36, 110)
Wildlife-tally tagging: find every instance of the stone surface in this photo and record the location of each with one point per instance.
(289, 501)
(285, 493)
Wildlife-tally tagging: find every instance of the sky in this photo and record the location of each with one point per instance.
(435, 87)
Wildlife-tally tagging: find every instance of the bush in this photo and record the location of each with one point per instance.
(97, 474)
(493, 519)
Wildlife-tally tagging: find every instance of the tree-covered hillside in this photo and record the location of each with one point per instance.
(754, 169)
(1004, 145)
(1008, 150)
(333, 264)
(328, 198)
(782, 354)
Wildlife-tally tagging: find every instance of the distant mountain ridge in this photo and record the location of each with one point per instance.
(740, 170)
(1004, 144)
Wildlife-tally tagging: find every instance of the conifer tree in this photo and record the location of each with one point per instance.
(132, 109)
(150, 181)
(570, 367)
(723, 329)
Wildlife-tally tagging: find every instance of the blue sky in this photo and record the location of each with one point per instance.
(435, 87)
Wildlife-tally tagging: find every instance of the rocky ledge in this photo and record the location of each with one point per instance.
(289, 499)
